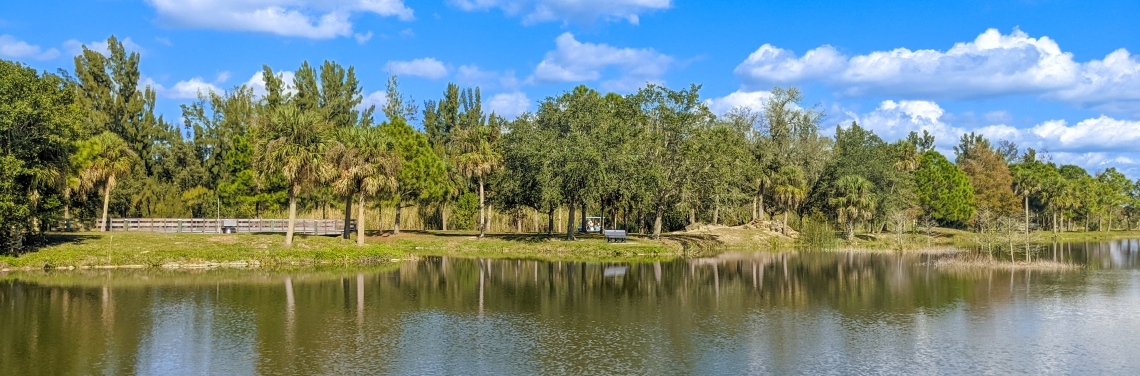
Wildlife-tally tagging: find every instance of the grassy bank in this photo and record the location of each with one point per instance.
(147, 250)
(942, 238)
(979, 262)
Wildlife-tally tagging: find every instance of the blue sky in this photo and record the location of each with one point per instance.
(1054, 75)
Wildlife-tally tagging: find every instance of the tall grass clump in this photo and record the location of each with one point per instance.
(816, 234)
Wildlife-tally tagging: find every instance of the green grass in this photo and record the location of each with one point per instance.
(948, 237)
(154, 249)
(143, 249)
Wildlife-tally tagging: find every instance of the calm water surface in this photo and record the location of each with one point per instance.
(801, 313)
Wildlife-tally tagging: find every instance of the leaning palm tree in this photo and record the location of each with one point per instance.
(298, 151)
(854, 202)
(477, 158)
(102, 160)
(789, 191)
(359, 165)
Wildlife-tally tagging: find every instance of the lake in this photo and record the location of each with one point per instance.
(738, 313)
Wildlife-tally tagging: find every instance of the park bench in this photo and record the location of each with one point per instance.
(615, 235)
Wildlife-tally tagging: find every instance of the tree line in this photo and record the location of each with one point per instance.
(88, 144)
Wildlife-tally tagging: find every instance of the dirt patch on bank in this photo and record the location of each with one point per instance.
(752, 234)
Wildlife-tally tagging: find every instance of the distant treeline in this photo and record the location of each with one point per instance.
(88, 144)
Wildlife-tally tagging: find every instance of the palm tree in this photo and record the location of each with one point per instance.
(789, 191)
(298, 151)
(359, 165)
(103, 159)
(477, 158)
(1025, 183)
(854, 201)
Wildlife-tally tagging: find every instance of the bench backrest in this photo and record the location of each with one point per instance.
(614, 232)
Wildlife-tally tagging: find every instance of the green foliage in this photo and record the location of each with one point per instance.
(465, 211)
(38, 121)
(854, 202)
(944, 191)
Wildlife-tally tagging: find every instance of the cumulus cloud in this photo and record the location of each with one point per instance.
(376, 98)
(993, 64)
(429, 68)
(574, 61)
(1111, 84)
(580, 11)
(13, 48)
(257, 82)
(316, 19)
(1094, 143)
(75, 47)
(753, 100)
(190, 89)
(509, 105)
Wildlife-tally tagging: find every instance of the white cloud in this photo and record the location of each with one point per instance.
(1111, 84)
(190, 89)
(317, 19)
(509, 105)
(75, 47)
(429, 68)
(753, 100)
(363, 38)
(574, 61)
(376, 98)
(1094, 143)
(13, 48)
(580, 11)
(257, 82)
(407, 33)
(992, 64)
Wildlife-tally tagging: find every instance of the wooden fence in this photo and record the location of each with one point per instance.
(213, 226)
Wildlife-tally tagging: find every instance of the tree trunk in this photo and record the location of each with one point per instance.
(443, 216)
(785, 224)
(360, 222)
(347, 215)
(657, 222)
(640, 219)
(482, 211)
(850, 231)
(396, 223)
(106, 202)
(570, 224)
(292, 216)
(584, 229)
(559, 218)
(762, 214)
(518, 221)
(692, 216)
(716, 211)
(550, 222)
(755, 208)
(1027, 214)
(537, 230)
(1061, 229)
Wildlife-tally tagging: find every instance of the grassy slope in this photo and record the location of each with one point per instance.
(152, 249)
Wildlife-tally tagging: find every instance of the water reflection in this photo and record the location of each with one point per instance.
(734, 313)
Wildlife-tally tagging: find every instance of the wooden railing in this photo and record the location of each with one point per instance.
(214, 226)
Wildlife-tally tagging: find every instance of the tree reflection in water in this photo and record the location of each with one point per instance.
(733, 313)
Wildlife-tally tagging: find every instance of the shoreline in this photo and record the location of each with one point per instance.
(142, 250)
(160, 251)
